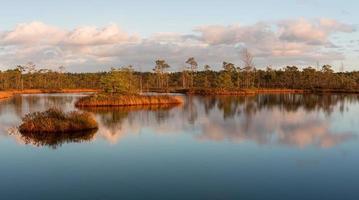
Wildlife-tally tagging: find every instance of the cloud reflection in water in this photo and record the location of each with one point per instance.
(297, 121)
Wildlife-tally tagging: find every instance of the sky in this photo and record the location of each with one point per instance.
(94, 35)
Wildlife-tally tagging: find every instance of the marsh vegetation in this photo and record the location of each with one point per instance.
(193, 77)
(56, 121)
(118, 89)
(105, 100)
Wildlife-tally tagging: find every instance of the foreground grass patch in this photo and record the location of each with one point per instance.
(56, 121)
(103, 100)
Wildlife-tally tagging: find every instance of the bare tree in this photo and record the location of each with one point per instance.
(30, 67)
(248, 65)
(193, 67)
(247, 59)
(207, 70)
(21, 70)
(238, 72)
(161, 66)
(62, 69)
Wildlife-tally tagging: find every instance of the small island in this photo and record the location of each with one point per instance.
(57, 121)
(105, 100)
(120, 89)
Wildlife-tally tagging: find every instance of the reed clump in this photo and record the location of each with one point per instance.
(105, 100)
(57, 121)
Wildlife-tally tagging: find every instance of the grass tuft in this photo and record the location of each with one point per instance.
(103, 100)
(56, 121)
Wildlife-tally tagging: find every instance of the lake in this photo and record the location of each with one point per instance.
(255, 147)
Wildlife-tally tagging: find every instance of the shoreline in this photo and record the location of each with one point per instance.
(245, 92)
(249, 92)
(10, 93)
(203, 92)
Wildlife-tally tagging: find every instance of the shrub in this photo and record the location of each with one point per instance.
(55, 120)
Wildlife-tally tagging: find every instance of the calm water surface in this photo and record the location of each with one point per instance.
(260, 147)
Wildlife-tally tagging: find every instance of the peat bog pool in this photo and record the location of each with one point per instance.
(257, 147)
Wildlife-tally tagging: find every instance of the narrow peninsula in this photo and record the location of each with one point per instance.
(118, 89)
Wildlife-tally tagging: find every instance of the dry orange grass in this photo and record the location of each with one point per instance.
(5, 95)
(10, 93)
(56, 121)
(103, 100)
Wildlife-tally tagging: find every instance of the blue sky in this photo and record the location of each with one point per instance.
(147, 18)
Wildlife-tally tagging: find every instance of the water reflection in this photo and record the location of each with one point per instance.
(291, 120)
(54, 140)
(116, 123)
(297, 129)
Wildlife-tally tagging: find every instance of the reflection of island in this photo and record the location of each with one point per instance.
(293, 120)
(55, 140)
(116, 122)
(12, 111)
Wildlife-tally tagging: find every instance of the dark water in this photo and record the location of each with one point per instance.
(263, 147)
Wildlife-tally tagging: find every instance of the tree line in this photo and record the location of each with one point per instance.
(28, 77)
(192, 77)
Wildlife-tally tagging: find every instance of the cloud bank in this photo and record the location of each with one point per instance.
(88, 48)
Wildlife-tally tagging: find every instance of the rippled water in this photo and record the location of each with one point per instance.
(258, 147)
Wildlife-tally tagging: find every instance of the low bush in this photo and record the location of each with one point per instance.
(55, 120)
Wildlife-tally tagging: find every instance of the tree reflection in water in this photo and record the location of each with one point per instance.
(293, 120)
(117, 122)
(290, 119)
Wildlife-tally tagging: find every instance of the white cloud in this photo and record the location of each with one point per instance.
(311, 32)
(40, 33)
(89, 48)
(32, 33)
(88, 35)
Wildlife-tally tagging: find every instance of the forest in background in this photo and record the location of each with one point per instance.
(192, 77)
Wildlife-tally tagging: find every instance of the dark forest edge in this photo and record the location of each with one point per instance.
(230, 80)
